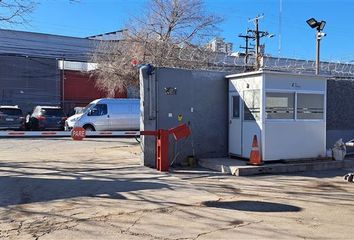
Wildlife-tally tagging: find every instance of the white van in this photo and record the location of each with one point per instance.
(107, 114)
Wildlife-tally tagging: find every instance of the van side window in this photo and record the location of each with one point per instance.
(99, 110)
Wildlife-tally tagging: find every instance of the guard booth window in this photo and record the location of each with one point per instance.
(280, 105)
(252, 105)
(310, 106)
(235, 106)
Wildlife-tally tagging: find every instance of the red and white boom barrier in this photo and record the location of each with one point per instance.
(16, 134)
(34, 134)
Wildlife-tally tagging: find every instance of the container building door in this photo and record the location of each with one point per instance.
(235, 124)
(251, 120)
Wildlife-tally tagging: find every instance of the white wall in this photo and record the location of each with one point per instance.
(294, 139)
(248, 128)
(282, 139)
(294, 82)
(291, 138)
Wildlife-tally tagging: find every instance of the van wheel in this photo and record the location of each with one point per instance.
(89, 128)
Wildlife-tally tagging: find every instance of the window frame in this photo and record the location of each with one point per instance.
(244, 107)
(239, 107)
(324, 106)
(95, 106)
(280, 119)
(295, 104)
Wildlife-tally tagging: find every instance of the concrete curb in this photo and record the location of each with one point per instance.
(239, 167)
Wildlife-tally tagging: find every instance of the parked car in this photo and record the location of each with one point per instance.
(47, 118)
(11, 118)
(107, 114)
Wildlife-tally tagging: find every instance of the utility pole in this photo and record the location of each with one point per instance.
(257, 35)
(279, 28)
(246, 47)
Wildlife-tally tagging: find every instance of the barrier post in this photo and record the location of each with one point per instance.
(162, 143)
(164, 162)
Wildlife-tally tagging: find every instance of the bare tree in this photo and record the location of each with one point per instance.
(170, 33)
(16, 11)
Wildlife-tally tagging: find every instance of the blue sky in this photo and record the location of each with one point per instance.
(89, 17)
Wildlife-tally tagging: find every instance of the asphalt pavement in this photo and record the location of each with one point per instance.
(96, 189)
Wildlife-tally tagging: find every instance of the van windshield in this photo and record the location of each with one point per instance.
(87, 108)
(78, 110)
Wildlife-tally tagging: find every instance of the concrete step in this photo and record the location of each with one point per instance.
(239, 167)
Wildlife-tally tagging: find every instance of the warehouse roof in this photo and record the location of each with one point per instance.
(45, 45)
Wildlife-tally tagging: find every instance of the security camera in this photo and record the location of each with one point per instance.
(320, 35)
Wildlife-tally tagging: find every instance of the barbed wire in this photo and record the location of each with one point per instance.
(228, 63)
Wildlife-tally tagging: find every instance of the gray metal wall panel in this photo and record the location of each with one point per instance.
(206, 93)
(28, 82)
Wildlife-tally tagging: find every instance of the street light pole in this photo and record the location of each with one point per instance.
(319, 35)
(318, 41)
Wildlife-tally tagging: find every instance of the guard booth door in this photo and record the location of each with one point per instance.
(235, 124)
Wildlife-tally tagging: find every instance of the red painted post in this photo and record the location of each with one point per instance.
(162, 137)
(162, 151)
(158, 150)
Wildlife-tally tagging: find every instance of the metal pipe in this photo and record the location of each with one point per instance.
(318, 39)
(63, 82)
(257, 45)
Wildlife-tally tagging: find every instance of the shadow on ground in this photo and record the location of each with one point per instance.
(21, 190)
(253, 206)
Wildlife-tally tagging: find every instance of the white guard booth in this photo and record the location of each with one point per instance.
(286, 111)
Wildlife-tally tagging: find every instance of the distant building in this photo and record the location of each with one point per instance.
(219, 45)
(46, 69)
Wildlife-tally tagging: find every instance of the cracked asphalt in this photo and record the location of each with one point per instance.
(96, 189)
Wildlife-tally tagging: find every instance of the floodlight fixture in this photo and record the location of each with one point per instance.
(315, 24)
(312, 22)
(321, 25)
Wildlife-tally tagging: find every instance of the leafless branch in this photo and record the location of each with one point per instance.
(16, 11)
(171, 33)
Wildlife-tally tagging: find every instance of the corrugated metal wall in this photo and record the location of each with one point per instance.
(28, 81)
(46, 45)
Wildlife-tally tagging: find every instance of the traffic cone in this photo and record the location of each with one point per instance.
(255, 156)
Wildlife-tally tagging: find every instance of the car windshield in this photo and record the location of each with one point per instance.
(57, 112)
(11, 111)
(87, 107)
